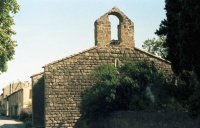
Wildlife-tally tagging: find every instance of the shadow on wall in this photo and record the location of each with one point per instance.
(79, 124)
(38, 103)
(61, 124)
(130, 119)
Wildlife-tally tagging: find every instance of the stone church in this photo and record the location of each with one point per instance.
(56, 90)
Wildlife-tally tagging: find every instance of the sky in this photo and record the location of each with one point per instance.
(48, 30)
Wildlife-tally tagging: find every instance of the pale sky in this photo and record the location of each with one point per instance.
(48, 30)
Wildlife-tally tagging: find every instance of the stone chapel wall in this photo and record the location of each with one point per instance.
(65, 79)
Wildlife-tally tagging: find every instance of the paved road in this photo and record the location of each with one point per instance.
(6, 122)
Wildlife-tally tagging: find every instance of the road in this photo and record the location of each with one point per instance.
(6, 122)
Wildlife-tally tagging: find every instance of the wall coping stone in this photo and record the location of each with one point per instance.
(40, 73)
(157, 57)
(94, 47)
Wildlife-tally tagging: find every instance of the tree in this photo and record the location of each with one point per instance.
(156, 46)
(182, 30)
(7, 45)
(189, 31)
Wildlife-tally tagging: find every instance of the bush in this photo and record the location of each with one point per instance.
(3, 112)
(148, 81)
(14, 117)
(187, 92)
(28, 124)
(24, 116)
(100, 99)
(134, 86)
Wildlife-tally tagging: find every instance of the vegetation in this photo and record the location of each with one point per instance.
(7, 45)
(134, 86)
(26, 118)
(187, 90)
(182, 30)
(188, 93)
(156, 46)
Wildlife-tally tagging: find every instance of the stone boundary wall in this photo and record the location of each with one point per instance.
(131, 119)
(65, 79)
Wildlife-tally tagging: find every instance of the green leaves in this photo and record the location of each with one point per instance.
(182, 30)
(133, 86)
(105, 74)
(156, 46)
(7, 45)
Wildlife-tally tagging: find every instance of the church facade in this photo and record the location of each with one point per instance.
(58, 87)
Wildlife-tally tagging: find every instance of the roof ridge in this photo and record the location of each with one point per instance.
(72, 55)
(37, 74)
(158, 57)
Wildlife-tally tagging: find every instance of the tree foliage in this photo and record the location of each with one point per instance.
(7, 45)
(156, 46)
(134, 86)
(182, 30)
(187, 92)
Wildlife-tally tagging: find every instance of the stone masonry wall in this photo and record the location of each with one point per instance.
(142, 119)
(38, 100)
(125, 30)
(65, 79)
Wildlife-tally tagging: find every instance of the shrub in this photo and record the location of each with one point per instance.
(134, 86)
(3, 112)
(149, 84)
(187, 92)
(14, 117)
(24, 116)
(100, 99)
(28, 124)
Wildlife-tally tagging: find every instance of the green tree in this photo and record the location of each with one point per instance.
(7, 45)
(189, 31)
(156, 46)
(182, 30)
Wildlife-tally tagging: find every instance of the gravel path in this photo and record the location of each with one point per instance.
(6, 122)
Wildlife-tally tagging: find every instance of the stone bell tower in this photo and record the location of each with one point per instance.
(125, 30)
